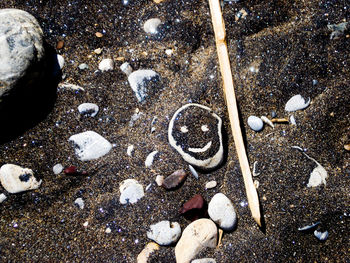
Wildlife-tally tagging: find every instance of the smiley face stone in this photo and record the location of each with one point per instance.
(195, 133)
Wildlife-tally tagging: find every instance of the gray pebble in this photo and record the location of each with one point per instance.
(83, 66)
(57, 169)
(255, 123)
(222, 212)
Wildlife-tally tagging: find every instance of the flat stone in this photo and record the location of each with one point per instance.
(210, 184)
(88, 109)
(79, 202)
(21, 45)
(16, 179)
(130, 191)
(151, 25)
(57, 169)
(195, 133)
(90, 145)
(164, 232)
(222, 212)
(198, 235)
(140, 81)
(296, 102)
(175, 179)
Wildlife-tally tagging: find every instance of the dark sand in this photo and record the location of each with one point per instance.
(287, 41)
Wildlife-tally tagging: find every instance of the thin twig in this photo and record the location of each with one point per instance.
(220, 39)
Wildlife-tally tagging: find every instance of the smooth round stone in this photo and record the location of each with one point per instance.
(195, 133)
(210, 184)
(57, 169)
(130, 191)
(296, 102)
(198, 235)
(164, 232)
(151, 25)
(222, 212)
(204, 260)
(21, 46)
(79, 202)
(140, 81)
(90, 145)
(88, 109)
(16, 179)
(83, 66)
(255, 123)
(106, 64)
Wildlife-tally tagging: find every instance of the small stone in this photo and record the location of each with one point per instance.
(88, 109)
(159, 180)
(347, 147)
(322, 236)
(222, 212)
(158, 1)
(21, 50)
(140, 81)
(90, 145)
(16, 179)
(198, 235)
(194, 208)
(3, 197)
(60, 61)
(98, 34)
(150, 158)
(195, 133)
(210, 184)
(255, 123)
(151, 25)
(169, 52)
(57, 169)
(129, 150)
(126, 68)
(164, 232)
(106, 64)
(79, 202)
(146, 252)
(175, 179)
(60, 44)
(108, 230)
(297, 102)
(130, 191)
(83, 66)
(98, 51)
(204, 260)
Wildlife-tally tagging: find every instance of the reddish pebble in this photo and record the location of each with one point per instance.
(60, 44)
(175, 179)
(70, 170)
(194, 208)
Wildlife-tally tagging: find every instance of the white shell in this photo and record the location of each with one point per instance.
(296, 102)
(106, 64)
(210, 184)
(16, 179)
(164, 232)
(151, 25)
(322, 236)
(137, 82)
(130, 150)
(204, 260)
(79, 202)
(150, 158)
(255, 123)
(126, 68)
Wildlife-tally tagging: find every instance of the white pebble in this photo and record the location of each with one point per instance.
(150, 158)
(138, 82)
(146, 252)
(130, 150)
(60, 61)
(169, 52)
(255, 123)
(88, 109)
(83, 66)
(292, 120)
(193, 171)
(3, 197)
(164, 232)
(297, 102)
(57, 169)
(79, 202)
(106, 64)
(222, 212)
(151, 25)
(86, 224)
(130, 191)
(210, 184)
(322, 236)
(108, 230)
(204, 260)
(16, 179)
(126, 68)
(159, 180)
(90, 145)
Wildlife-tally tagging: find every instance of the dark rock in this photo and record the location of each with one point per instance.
(194, 208)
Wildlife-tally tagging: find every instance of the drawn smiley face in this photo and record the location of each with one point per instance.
(195, 132)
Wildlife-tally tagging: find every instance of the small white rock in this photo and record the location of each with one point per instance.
(318, 176)
(222, 212)
(151, 25)
(90, 145)
(88, 109)
(130, 191)
(108, 230)
(150, 158)
(3, 197)
(204, 260)
(164, 233)
(126, 68)
(16, 179)
(169, 52)
(130, 150)
(60, 61)
(57, 169)
(297, 102)
(210, 184)
(138, 82)
(322, 236)
(106, 64)
(198, 235)
(79, 202)
(159, 180)
(255, 123)
(83, 66)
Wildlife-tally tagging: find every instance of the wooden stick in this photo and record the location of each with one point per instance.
(220, 39)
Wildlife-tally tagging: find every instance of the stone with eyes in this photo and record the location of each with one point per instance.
(195, 132)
